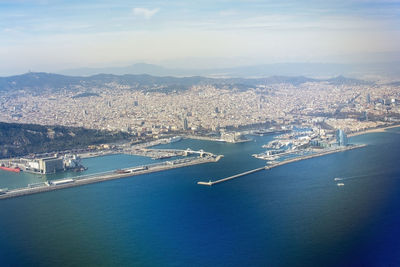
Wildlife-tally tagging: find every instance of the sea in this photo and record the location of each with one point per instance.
(292, 215)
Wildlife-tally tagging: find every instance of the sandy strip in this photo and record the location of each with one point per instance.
(375, 130)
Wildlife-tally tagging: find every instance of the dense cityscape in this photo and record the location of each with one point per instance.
(200, 133)
(314, 118)
(205, 108)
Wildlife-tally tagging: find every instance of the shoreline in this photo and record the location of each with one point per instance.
(373, 130)
(111, 176)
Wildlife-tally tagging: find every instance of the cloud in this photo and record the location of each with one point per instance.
(145, 12)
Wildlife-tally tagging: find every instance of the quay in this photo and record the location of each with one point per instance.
(100, 177)
(287, 161)
(215, 139)
(277, 164)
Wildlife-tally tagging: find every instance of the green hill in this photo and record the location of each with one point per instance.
(22, 139)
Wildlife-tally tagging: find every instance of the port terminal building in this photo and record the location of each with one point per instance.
(50, 165)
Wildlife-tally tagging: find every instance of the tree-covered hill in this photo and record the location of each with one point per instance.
(21, 139)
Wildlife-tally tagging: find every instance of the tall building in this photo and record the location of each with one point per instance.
(368, 98)
(185, 124)
(341, 138)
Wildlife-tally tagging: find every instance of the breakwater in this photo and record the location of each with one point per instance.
(100, 177)
(231, 177)
(277, 164)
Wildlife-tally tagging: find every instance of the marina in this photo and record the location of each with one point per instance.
(280, 163)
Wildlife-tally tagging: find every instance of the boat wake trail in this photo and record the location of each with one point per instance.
(357, 177)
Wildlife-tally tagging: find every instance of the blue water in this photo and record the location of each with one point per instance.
(95, 165)
(293, 215)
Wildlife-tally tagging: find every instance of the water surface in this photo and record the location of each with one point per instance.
(293, 215)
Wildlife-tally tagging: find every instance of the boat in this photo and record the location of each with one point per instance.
(79, 169)
(337, 179)
(10, 169)
(340, 184)
(175, 139)
(265, 157)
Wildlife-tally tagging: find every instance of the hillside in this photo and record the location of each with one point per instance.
(47, 82)
(22, 139)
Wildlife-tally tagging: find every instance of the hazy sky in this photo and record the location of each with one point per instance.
(59, 34)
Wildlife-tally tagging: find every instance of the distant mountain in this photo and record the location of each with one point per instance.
(339, 80)
(281, 69)
(54, 82)
(37, 80)
(314, 70)
(139, 68)
(48, 82)
(286, 69)
(394, 83)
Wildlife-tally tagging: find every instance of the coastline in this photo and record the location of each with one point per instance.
(374, 130)
(95, 178)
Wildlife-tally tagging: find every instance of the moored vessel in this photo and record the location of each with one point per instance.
(10, 169)
(175, 139)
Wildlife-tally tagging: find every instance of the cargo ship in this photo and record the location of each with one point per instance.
(13, 169)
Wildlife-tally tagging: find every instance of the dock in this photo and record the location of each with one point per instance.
(105, 176)
(277, 164)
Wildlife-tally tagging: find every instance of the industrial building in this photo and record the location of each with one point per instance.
(50, 165)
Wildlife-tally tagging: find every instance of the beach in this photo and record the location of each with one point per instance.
(374, 130)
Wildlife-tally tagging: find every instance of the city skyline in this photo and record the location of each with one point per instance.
(56, 35)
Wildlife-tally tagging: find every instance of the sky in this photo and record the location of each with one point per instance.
(41, 35)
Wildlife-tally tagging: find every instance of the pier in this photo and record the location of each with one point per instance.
(231, 177)
(164, 153)
(105, 176)
(277, 164)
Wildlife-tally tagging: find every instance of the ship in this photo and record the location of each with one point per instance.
(10, 169)
(175, 139)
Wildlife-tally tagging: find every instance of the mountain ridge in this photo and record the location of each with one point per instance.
(35, 81)
(308, 69)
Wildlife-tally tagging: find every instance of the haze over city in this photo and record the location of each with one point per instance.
(53, 36)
